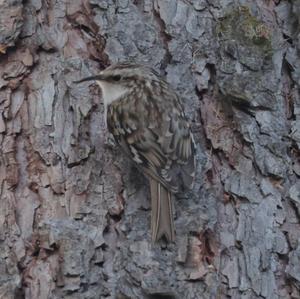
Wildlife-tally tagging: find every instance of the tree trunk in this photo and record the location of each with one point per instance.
(75, 213)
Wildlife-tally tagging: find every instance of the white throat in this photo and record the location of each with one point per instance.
(111, 92)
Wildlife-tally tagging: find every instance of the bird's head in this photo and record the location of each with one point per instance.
(122, 78)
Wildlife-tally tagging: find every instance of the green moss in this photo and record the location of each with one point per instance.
(241, 26)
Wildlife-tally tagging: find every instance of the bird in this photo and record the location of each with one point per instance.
(147, 119)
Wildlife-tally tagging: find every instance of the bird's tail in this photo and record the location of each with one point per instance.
(161, 213)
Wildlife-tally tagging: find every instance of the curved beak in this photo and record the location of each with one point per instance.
(96, 77)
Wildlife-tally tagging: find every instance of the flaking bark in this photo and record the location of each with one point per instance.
(74, 212)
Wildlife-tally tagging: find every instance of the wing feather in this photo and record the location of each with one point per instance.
(156, 135)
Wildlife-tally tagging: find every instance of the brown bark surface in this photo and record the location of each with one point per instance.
(75, 212)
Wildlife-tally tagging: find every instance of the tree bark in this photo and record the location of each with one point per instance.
(75, 213)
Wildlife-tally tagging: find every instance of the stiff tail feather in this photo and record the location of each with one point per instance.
(161, 213)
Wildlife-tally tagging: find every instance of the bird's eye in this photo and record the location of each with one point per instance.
(116, 78)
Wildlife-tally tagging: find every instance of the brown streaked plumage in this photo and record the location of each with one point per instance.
(147, 119)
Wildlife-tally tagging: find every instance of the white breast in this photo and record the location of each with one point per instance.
(111, 92)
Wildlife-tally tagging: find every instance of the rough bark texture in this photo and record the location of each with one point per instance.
(74, 212)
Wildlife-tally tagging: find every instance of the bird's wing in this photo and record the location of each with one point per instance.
(158, 138)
